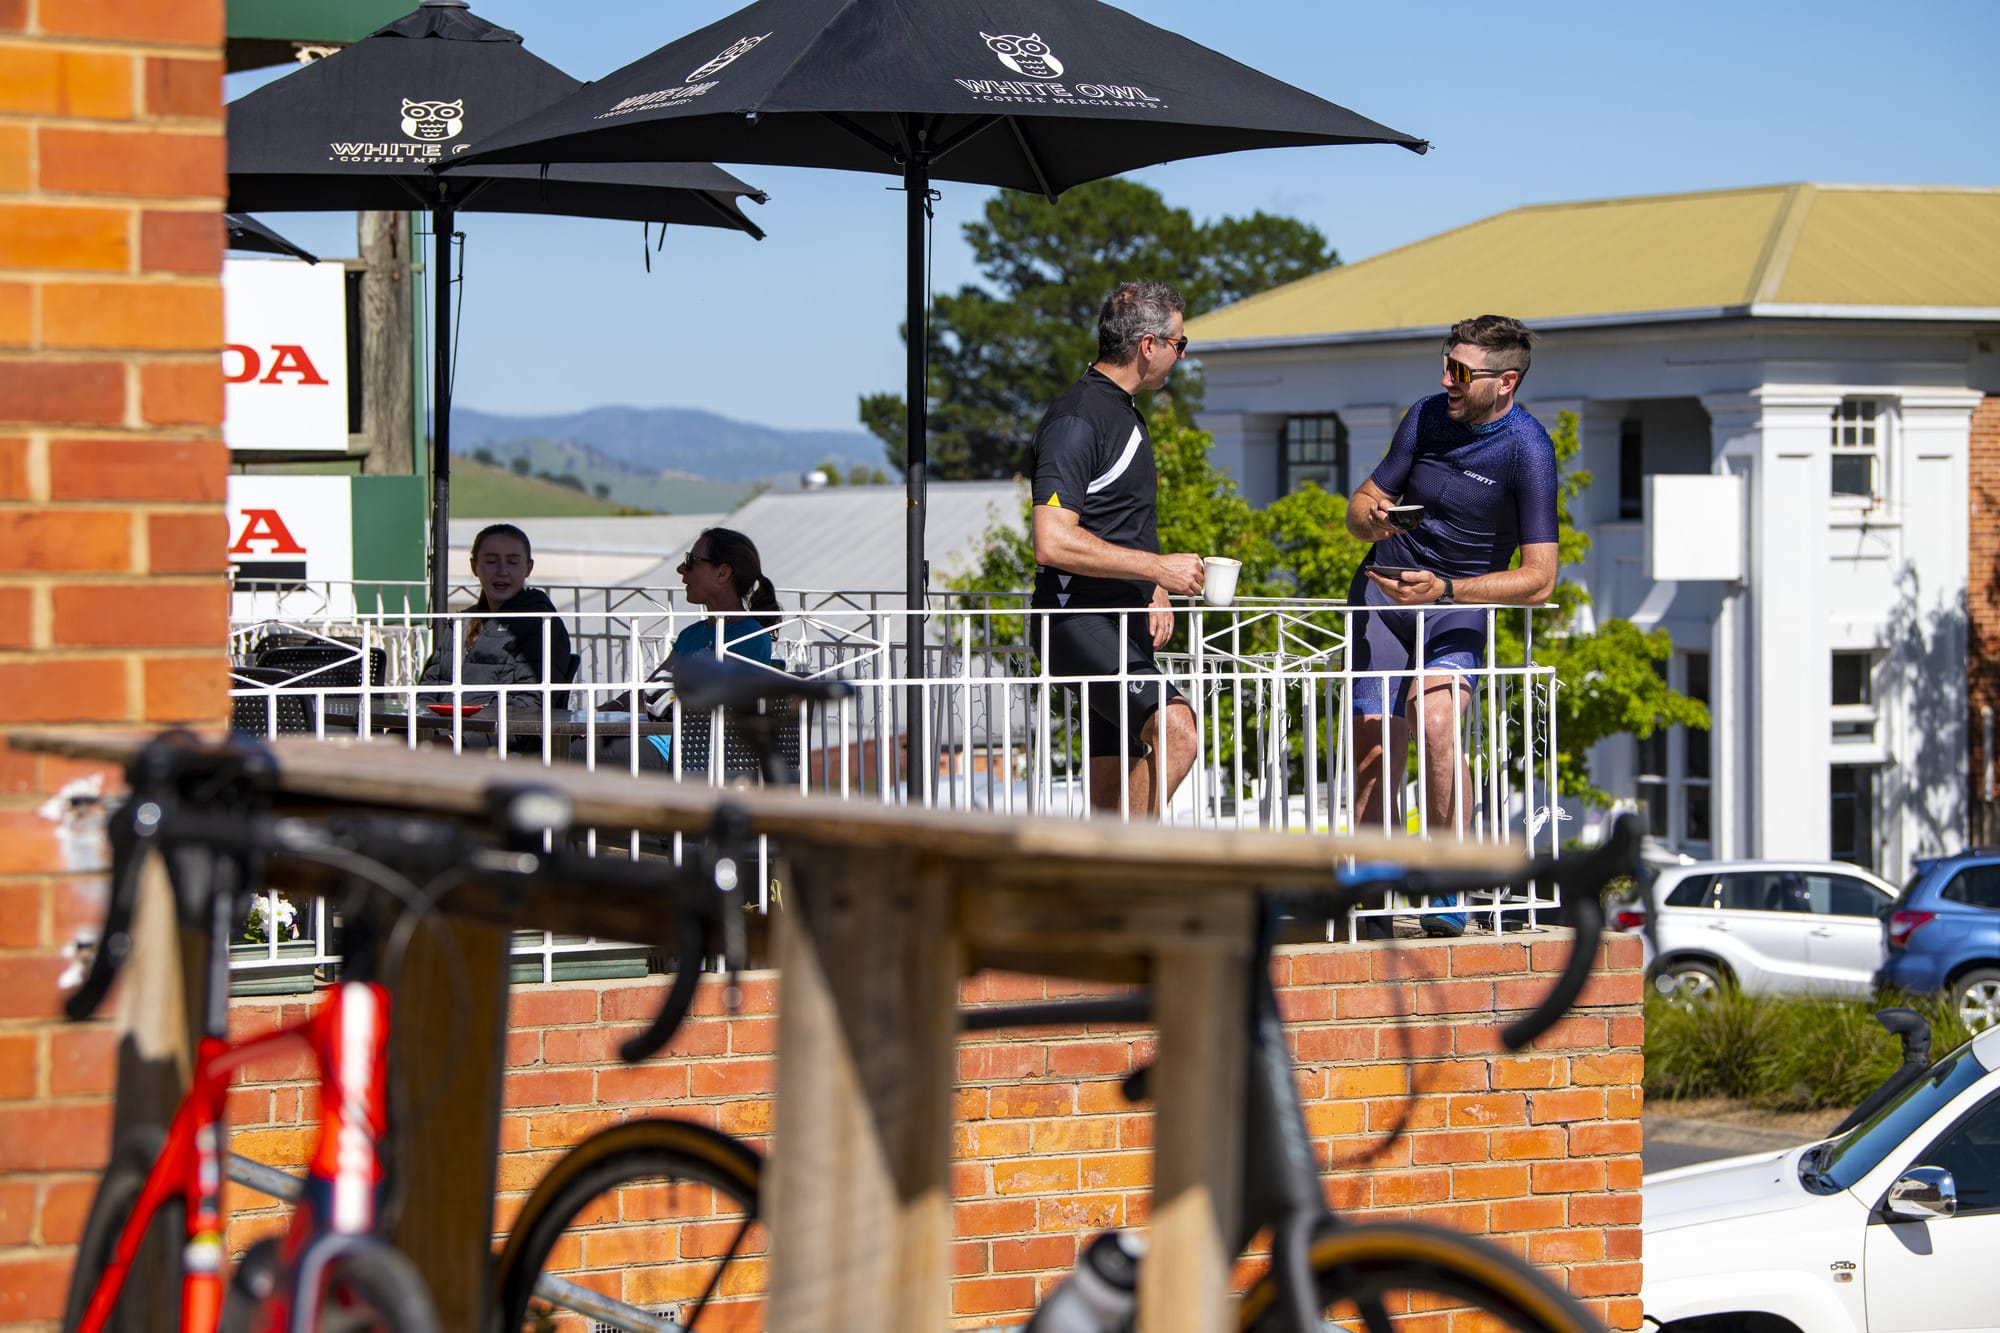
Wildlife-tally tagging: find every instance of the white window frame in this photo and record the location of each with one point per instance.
(1855, 730)
(1862, 425)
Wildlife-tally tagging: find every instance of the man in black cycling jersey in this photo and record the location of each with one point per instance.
(1485, 473)
(1097, 545)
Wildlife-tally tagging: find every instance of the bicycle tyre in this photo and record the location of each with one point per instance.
(117, 1194)
(637, 1154)
(376, 1289)
(1390, 1275)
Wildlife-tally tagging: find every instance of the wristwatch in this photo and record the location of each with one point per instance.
(1445, 598)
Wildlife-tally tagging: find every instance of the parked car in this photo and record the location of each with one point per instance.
(1887, 1228)
(1943, 935)
(1763, 926)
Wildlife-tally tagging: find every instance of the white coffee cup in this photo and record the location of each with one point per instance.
(1218, 579)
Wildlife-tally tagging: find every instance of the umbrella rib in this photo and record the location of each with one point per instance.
(1034, 162)
(964, 136)
(735, 219)
(873, 140)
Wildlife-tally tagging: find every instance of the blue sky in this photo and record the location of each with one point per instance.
(1536, 102)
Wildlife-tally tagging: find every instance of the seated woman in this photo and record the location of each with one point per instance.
(504, 630)
(723, 574)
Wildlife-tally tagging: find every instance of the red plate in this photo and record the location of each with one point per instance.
(447, 710)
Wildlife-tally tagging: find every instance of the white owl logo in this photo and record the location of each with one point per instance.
(1025, 55)
(742, 46)
(431, 121)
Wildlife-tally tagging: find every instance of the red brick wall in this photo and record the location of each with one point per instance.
(1539, 1150)
(1983, 604)
(111, 530)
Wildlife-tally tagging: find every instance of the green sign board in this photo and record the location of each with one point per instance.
(265, 32)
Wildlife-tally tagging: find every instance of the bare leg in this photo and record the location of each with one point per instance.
(1143, 777)
(1368, 784)
(1447, 698)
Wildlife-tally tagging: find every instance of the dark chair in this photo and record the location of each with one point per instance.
(322, 665)
(740, 754)
(256, 715)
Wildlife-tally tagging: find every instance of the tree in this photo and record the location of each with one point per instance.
(1608, 681)
(521, 464)
(1000, 353)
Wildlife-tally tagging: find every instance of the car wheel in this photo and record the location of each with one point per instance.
(1976, 997)
(1684, 981)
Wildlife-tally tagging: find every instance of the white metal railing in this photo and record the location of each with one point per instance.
(1269, 683)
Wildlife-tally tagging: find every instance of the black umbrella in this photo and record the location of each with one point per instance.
(247, 233)
(1033, 95)
(361, 129)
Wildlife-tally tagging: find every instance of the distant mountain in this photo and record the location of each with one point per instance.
(671, 440)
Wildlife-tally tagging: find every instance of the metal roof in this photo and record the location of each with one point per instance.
(851, 537)
(1826, 251)
(838, 538)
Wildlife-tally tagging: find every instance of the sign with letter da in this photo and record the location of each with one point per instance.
(284, 355)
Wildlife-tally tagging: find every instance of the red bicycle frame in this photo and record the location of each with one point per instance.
(349, 1037)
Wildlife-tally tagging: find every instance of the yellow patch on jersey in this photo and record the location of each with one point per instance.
(1055, 501)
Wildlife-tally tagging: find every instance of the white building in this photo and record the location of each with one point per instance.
(1827, 345)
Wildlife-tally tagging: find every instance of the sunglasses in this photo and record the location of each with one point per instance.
(692, 559)
(1179, 344)
(1460, 373)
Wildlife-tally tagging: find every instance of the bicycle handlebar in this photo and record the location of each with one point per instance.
(1582, 880)
(703, 683)
(188, 792)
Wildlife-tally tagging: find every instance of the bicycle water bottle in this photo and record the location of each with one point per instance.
(1099, 1294)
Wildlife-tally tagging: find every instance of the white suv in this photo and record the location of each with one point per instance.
(1765, 926)
(1890, 1228)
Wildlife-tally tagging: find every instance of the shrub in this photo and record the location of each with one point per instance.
(1782, 1052)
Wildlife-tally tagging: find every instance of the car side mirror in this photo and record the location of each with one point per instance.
(1924, 1193)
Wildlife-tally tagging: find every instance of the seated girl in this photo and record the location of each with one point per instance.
(504, 631)
(723, 574)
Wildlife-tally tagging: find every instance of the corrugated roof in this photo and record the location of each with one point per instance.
(840, 538)
(1779, 249)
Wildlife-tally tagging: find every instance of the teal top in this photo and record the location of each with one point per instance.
(743, 637)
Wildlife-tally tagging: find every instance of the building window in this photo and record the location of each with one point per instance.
(1853, 696)
(1631, 470)
(1673, 768)
(1852, 814)
(1859, 428)
(1695, 754)
(1315, 450)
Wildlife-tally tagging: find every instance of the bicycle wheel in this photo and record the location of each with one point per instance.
(652, 1220)
(156, 1274)
(376, 1289)
(1400, 1277)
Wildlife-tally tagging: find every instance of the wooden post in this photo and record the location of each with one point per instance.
(1201, 1002)
(860, 1165)
(451, 1153)
(160, 1013)
(387, 345)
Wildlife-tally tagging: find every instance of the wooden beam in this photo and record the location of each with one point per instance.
(860, 1160)
(1201, 1003)
(448, 1056)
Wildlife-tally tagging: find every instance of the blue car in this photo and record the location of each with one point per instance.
(1943, 935)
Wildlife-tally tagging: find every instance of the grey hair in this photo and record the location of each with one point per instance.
(1133, 310)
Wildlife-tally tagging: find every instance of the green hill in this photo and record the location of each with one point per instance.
(481, 491)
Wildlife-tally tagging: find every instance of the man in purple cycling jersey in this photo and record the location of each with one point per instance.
(1485, 473)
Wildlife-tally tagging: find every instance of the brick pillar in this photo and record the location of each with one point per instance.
(113, 610)
(1982, 598)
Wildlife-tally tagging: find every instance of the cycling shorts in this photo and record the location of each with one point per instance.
(1385, 641)
(1088, 644)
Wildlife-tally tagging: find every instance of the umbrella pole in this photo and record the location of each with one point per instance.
(916, 464)
(441, 225)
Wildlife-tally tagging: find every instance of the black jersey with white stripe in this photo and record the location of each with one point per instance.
(1093, 456)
